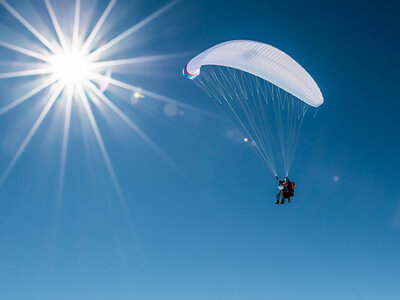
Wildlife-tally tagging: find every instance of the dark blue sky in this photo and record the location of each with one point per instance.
(208, 228)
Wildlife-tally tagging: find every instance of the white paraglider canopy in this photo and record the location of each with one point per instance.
(261, 60)
(264, 89)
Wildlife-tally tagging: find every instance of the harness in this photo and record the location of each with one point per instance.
(288, 191)
(288, 188)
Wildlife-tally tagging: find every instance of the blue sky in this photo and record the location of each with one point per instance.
(207, 228)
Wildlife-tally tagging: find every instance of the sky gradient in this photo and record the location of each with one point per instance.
(205, 226)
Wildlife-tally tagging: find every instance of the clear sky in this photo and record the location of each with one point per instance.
(205, 226)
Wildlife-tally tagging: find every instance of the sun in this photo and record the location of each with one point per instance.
(71, 68)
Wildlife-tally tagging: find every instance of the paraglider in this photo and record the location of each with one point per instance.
(266, 91)
(286, 190)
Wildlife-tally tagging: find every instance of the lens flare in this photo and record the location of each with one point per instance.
(72, 68)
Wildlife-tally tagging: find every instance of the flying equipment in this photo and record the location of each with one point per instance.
(265, 90)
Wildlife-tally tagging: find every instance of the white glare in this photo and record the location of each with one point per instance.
(137, 95)
(71, 68)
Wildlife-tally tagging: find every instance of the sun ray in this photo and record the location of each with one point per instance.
(28, 26)
(24, 51)
(133, 88)
(25, 73)
(56, 24)
(133, 60)
(72, 66)
(67, 123)
(20, 63)
(132, 125)
(100, 142)
(31, 133)
(27, 96)
(134, 28)
(98, 26)
(75, 33)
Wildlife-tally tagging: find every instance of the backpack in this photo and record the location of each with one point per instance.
(291, 188)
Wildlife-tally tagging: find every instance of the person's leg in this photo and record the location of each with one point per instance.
(277, 198)
(282, 197)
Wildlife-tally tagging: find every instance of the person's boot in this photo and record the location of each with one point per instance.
(289, 200)
(283, 201)
(277, 201)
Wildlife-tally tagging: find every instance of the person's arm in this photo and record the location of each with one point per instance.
(285, 183)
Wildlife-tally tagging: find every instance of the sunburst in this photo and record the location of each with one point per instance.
(71, 69)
